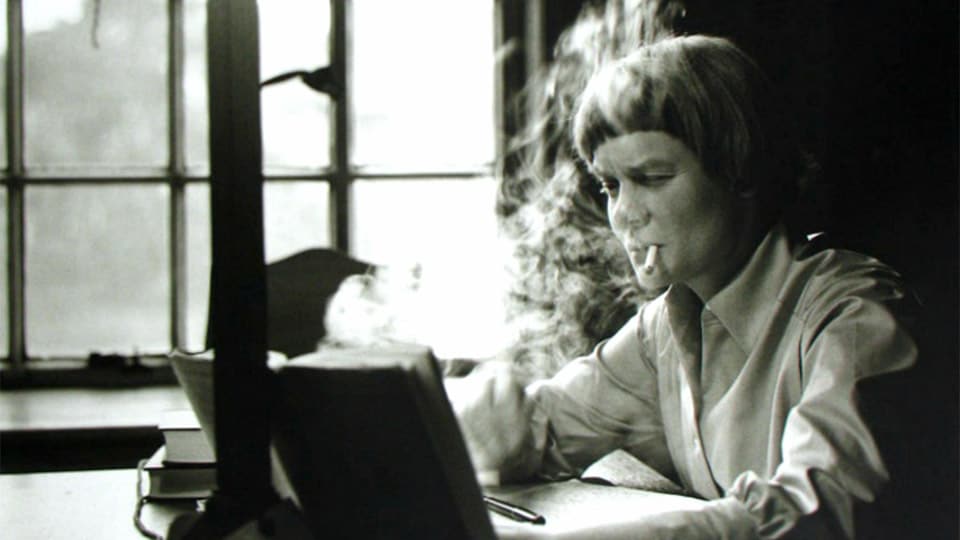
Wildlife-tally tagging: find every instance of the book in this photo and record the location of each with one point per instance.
(183, 438)
(178, 481)
(371, 449)
(623, 469)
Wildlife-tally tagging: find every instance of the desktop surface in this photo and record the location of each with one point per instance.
(101, 504)
(78, 505)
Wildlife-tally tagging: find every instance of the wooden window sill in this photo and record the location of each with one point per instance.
(54, 429)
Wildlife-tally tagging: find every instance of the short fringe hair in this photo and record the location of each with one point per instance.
(710, 95)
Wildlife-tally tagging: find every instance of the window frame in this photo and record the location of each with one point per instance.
(517, 30)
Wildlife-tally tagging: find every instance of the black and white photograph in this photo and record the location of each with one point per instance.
(479, 269)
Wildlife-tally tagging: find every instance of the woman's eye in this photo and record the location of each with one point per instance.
(609, 186)
(652, 179)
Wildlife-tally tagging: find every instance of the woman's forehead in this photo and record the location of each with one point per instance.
(640, 149)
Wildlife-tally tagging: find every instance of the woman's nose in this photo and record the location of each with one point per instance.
(630, 210)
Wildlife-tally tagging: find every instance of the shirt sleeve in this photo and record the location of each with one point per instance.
(589, 408)
(830, 458)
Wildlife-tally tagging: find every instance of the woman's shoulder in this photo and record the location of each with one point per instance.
(826, 277)
(858, 303)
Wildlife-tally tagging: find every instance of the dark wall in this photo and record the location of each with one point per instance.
(891, 159)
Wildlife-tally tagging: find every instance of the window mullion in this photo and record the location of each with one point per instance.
(178, 214)
(340, 186)
(15, 186)
(511, 75)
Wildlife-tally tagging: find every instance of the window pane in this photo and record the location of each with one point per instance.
(4, 317)
(423, 84)
(95, 85)
(295, 119)
(198, 264)
(295, 217)
(449, 228)
(97, 269)
(195, 87)
(3, 88)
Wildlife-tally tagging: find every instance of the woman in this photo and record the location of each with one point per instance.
(741, 380)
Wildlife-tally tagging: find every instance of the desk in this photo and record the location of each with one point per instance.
(100, 505)
(78, 506)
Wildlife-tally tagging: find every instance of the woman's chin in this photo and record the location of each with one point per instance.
(657, 279)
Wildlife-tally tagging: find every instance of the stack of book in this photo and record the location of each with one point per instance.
(185, 466)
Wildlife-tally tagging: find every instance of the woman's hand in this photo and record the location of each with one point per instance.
(494, 415)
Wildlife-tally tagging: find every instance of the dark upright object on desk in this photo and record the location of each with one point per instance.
(238, 280)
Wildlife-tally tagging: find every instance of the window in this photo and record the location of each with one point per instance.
(106, 171)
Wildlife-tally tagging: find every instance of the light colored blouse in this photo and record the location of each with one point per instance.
(767, 425)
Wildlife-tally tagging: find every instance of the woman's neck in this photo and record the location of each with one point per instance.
(752, 233)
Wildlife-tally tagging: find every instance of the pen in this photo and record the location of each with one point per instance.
(513, 511)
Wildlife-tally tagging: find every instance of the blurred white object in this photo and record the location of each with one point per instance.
(375, 309)
(456, 309)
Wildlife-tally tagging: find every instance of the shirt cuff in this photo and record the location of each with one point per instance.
(730, 518)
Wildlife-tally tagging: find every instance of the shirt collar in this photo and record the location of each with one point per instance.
(683, 315)
(745, 304)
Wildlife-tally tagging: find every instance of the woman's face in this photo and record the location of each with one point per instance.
(658, 194)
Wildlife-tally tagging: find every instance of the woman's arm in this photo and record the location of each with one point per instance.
(601, 402)
(494, 414)
(555, 427)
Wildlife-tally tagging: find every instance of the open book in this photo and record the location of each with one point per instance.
(616, 497)
(623, 469)
(576, 510)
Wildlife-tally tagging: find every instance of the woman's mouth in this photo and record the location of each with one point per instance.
(645, 258)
